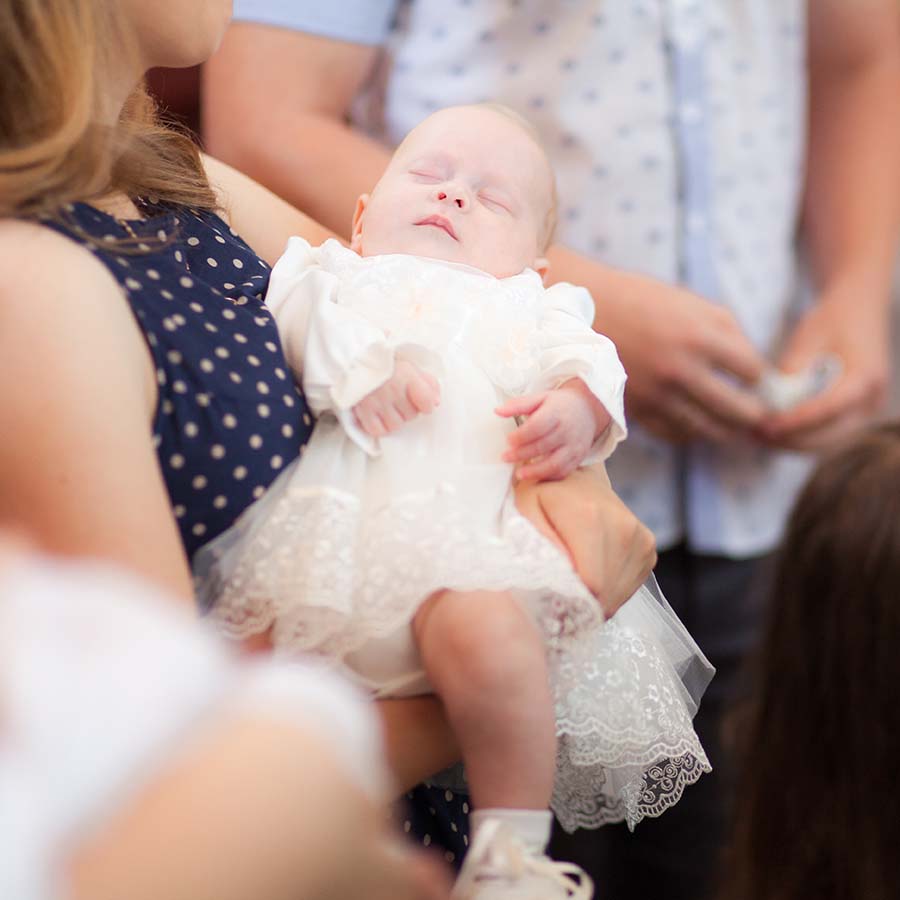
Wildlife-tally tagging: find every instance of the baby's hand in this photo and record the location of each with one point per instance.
(406, 394)
(561, 428)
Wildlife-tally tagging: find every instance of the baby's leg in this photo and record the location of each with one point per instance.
(486, 660)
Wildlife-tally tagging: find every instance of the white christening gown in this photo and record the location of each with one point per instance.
(342, 549)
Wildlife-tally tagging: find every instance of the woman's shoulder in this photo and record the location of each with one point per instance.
(32, 246)
(53, 289)
(42, 261)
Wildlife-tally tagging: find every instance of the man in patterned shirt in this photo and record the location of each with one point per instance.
(689, 139)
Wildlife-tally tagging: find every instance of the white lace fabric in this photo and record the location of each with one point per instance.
(627, 747)
(350, 539)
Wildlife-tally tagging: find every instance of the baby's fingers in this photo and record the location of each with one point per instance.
(521, 406)
(424, 393)
(543, 445)
(538, 426)
(554, 467)
(368, 419)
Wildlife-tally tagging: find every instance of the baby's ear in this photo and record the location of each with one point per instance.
(542, 267)
(356, 228)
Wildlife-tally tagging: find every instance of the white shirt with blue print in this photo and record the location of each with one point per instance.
(676, 130)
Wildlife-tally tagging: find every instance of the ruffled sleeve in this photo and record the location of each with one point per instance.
(338, 356)
(570, 348)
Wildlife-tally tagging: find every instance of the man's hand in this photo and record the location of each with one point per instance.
(857, 333)
(408, 393)
(676, 348)
(612, 551)
(561, 428)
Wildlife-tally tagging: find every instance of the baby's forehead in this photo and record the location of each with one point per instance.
(460, 134)
(470, 128)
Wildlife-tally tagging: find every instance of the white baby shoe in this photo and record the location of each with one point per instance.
(499, 867)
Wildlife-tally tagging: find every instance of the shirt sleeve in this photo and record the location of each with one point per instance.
(355, 21)
(570, 348)
(337, 356)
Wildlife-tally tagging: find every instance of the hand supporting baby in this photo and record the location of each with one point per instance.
(408, 393)
(561, 428)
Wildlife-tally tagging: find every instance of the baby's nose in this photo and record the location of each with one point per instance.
(455, 194)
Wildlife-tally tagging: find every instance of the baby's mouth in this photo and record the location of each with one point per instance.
(439, 222)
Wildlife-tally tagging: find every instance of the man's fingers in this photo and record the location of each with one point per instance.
(822, 437)
(729, 405)
(729, 350)
(849, 395)
(825, 420)
(684, 421)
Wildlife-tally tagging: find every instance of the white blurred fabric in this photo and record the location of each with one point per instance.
(102, 679)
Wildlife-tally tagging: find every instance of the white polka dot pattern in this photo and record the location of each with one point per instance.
(217, 356)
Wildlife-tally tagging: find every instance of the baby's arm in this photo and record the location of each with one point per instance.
(563, 424)
(575, 405)
(406, 394)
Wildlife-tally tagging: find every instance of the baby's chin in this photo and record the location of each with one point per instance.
(434, 243)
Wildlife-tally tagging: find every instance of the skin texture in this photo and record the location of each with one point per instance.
(674, 344)
(467, 185)
(470, 185)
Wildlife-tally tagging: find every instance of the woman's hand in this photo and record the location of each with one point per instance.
(610, 548)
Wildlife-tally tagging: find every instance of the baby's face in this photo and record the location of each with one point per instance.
(468, 185)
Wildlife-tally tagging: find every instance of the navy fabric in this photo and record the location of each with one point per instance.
(229, 416)
(438, 818)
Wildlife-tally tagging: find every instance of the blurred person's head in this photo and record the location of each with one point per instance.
(817, 810)
(75, 120)
(469, 184)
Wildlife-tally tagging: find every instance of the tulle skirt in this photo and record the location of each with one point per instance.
(342, 550)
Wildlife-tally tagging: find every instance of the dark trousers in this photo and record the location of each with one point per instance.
(675, 856)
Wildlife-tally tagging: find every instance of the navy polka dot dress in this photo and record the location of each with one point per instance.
(229, 417)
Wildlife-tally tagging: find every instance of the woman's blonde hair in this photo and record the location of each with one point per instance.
(55, 146)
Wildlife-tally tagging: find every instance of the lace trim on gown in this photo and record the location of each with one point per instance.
(627, 747)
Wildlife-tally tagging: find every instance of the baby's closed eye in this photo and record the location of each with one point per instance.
(494, 202)
(426, 176)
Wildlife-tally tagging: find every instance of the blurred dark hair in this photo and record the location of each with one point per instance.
(818, 802)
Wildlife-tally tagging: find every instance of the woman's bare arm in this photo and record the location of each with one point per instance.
(254, 809)
(261, 218)
(78, 471)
